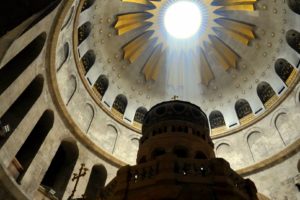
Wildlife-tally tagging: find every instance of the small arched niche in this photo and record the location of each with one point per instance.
(63, 56)
(266, 94)
(293, 39)
(96, 182)
(285, 71)
(243, 111)
(119, 105)
(84, 31)
(61, 168)
(101, 85)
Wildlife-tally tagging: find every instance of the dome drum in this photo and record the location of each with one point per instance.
(175, 110)
(185, 146)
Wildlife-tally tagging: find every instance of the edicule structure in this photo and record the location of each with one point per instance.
(176, 160)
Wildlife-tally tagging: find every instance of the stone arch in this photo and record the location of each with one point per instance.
(68, 19)
(293, 39)
(257, 145)
(91, 116)
(120, 103)
(140, 114)
(285, 128)
(87, 4)
(17, 65)
(216, 119)
(101, 85)
(225, 150)
(88, 60)
(64, 52)
(19, 11)
(61, 168)
(110, 137)
(84, 31)
(283, 69)
(18, 110)
(265, 92)
(71, 89)
(96, 182)
(33, 142)
(242, 108)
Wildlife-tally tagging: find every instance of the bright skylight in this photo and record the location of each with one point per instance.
(183, 19)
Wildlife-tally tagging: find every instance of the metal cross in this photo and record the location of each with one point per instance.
(76, 177)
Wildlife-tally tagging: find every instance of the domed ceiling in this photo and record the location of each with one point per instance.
(238, 66)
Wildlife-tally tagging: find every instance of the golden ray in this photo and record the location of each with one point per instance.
(205, 70)
(245, 7)
(239, 31)
(143, 2)
(236, 36)
(236, 26)
(137, 46)
(227, 57)
(129, 22)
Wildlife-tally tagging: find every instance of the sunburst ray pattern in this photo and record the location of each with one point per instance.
(154, 39)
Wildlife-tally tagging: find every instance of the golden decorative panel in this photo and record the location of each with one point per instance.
(247, 119)
(271, 102)
(291, 78)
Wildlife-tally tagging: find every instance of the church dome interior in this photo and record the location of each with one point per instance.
(77, 78)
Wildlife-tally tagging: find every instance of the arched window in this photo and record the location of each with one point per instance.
(140, 114)
(216, 119)
(265, 92)
(120, 104)
(88, 60)
(101, 85)
(180, 152)
(18, 110)
(242, 108)
(34, 141)
(283, 69)
(19, 11)
(84, 31)
(157, 152)
(87, 4)
(61, 168)
(12, 70)
(96, 182)
(293, 39)
(200, 155)
(294, 5)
